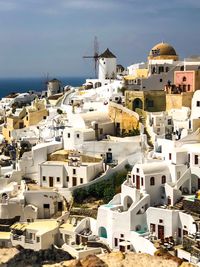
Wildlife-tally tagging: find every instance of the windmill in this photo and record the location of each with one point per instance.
(45, 80)
(95, 57)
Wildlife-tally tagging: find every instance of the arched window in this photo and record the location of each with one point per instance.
(184, 79)
(167, 69)
(152, 181)
(163, 179)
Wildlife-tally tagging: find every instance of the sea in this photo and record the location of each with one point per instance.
(11, 85)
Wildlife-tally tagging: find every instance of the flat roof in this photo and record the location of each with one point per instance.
(4, 235)
(40, 226)
(67, 226)
(43, 226)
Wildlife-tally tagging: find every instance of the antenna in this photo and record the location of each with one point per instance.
(95, 57)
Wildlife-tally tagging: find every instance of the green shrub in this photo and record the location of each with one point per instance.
(105, 189)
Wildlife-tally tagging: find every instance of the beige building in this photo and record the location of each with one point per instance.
(36, 235)
(151, 101)
(25, 117)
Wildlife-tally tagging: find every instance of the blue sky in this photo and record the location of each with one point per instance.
(40, 36)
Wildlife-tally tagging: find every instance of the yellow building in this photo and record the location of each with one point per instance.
(151, 101)
(26, 117)
(177, 101)
(126, 121)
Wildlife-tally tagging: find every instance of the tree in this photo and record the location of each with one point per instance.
(108, 194)
(59, 111)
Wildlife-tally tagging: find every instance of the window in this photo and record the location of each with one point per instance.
(167, 69)
(198, 103)
(161, 80)
(27, 118)
(137, 170)
(44, 117)
(161, 69)
(67, 178)
(196, 159)
(188, 87)
(170, 156)
(81, 180)
(68, 135)
(122, 235)
(152, 181)
(44, 178)
(160, 221)
(58, 179)
(169, 121)
(184, 79)
(152, 227)
(38, 239)
(78, 135)
(150, 103)
(133, 178)
(163, 179)
(74, 171)
(142, 181)
(101, 131)
(179, 232)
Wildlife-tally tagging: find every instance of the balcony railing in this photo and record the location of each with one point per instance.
(30, 241)
(17, 237)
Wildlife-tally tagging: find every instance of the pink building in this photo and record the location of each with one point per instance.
(187, 81)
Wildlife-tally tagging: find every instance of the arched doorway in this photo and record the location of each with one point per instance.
(102, 232)
(137, 103)
(127, 203)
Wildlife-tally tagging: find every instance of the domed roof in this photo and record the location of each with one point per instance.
(163, 50)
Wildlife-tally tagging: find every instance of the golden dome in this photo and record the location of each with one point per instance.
(163, 51)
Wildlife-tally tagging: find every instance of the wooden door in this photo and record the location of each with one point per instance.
(161, 231)
(138, 182)
(51, 181)
(73, 181)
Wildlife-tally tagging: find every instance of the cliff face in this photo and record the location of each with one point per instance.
(118, 259)
(13, 257)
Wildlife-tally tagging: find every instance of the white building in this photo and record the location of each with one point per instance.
(164, 222)
(18, 203)
(159, 124)
(67, 174)
(37, 235)
(29, 162)
(107, 65)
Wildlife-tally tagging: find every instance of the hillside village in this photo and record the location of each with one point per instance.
(112, 165)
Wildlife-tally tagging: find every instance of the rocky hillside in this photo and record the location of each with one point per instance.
(118, 259)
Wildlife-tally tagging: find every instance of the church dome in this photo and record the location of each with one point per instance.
(163, 51)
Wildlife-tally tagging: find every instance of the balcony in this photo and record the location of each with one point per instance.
(30, 241)
(17, 237)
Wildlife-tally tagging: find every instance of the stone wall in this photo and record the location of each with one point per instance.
(156, 98)
(127, 119)
(192, 206)
(177, 101)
